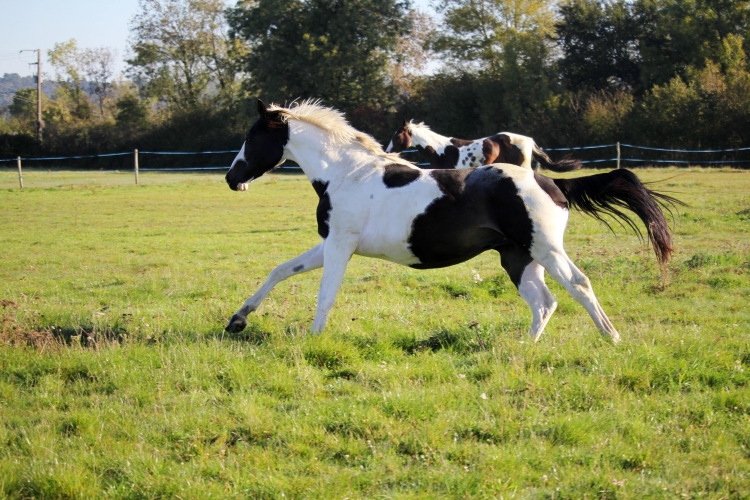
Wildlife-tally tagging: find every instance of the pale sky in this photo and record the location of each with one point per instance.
(39, 24)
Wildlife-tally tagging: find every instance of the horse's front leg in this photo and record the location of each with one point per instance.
(336, 255)
(312, 259)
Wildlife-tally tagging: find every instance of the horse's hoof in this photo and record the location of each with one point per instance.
(236, 324)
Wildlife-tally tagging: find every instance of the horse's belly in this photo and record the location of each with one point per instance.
(388, 241)
(447, 248)
(387, 231)
(394, 253)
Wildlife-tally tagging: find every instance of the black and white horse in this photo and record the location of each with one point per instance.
(377, 205)
(449, 152)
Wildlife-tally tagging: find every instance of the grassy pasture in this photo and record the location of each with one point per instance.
(116, 380)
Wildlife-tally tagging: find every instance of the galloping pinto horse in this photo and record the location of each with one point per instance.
(375, 204)
(448, 152)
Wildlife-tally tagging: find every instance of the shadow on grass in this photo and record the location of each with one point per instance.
(13, 333)
(345, 373)
(252, 334)
(87, 336)
(461, 341)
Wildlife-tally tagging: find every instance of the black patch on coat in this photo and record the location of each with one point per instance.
(490, 150)
(549, 187)
(509, 153)
(499, 149)
(323, 213)
(297, 269)
(514, 260)
(399, 175)
(480, 210)
(448, 159)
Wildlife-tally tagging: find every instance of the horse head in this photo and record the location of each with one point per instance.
(401, 139)
(262, 150)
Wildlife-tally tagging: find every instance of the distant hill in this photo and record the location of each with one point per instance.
(11, 82)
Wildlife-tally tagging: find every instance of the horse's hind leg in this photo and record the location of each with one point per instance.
(534, 291)
(528, 276)
(312, 259)
(561, 268)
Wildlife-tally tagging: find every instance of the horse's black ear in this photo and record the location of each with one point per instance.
(262, 110)
(405, 124)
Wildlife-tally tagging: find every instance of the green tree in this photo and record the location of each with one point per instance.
(501, 49)
(24, 103)
(490, 34)
(183, 55)
(709, 107)
(131, 111)
(81, 72)
(680, 34)
(599, 45)
(66, 58)
(97, 65)
(411, 55)
(337, 50)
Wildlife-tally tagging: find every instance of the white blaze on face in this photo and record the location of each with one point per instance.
(240, 156)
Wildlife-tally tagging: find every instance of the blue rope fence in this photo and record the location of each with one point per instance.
(567, 149)
(619, 158)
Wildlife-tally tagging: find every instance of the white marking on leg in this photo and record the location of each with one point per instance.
(312, 259)
(336, 255)
(534, 291)
(562, 269)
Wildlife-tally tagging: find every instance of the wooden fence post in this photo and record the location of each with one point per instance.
(618, 155)
(20, 174)
(135, 153)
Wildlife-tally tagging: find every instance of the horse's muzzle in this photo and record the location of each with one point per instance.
(242, 186)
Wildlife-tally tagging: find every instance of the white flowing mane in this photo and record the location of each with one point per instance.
(334, 123)
(424, 132)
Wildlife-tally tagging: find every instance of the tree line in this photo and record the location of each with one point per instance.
(668, 73)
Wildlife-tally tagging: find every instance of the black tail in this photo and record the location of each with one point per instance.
(564, 165)
(607, 193)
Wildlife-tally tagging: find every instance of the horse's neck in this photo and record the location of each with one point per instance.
(312, 149)
(425, 137)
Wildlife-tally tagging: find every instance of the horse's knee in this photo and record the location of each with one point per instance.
(581, 281)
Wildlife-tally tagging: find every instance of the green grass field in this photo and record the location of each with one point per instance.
(117, 380)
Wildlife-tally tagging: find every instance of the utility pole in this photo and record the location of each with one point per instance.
(39, 123)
